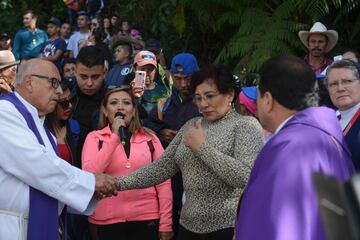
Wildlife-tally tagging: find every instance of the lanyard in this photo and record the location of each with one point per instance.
(351, 123)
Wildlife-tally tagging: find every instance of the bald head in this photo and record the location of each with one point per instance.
(37, 82)
(34, 66)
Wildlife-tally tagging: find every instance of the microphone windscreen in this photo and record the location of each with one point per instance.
(119, 114)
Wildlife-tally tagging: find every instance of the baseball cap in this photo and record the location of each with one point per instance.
(81, 13)
(153, 45)
(250, 92)
(55, 21)
(184, 63)
(145, 57)
(4, 36)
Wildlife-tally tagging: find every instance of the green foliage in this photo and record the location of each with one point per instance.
(240, 33)
(267, 28)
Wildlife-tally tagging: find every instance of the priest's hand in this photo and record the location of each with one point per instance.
(194, 136)
(105, 186)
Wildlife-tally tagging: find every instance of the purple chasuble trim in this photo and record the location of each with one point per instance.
(43, 211)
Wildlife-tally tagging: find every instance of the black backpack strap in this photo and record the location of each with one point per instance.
(151, 148)
(100, 144)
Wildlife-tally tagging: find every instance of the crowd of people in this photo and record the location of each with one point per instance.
(103, 139)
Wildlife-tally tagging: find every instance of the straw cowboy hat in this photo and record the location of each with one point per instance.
(319, 28)
(7, 59)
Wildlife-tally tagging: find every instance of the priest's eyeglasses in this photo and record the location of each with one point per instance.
(344, 82)
(55, 83)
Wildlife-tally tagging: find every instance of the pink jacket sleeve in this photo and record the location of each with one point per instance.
(92, 159)
(164, 194)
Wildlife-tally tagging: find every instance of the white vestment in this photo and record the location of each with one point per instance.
(25, 162)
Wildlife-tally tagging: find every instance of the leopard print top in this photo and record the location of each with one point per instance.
(214, 177)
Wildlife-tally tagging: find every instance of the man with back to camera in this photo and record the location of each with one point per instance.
(28, 40)
(36, 183)
(343, 82)
(280, 201)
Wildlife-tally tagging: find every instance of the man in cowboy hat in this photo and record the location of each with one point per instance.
(318, 41)
(7, 71)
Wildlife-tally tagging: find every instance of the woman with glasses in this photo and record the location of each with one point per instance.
(8, 66)
(66, 130)
(121, 147)
(214, 154)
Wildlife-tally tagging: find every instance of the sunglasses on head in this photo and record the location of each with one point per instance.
(112, 87)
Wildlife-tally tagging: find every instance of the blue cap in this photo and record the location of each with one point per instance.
(55, 21)
(250, 92)
(153, 45)
(184, 63)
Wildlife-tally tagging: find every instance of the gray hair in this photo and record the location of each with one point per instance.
(22, 71)
(344, 64)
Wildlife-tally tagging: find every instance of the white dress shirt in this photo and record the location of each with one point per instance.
(25, 162)
(347, 115)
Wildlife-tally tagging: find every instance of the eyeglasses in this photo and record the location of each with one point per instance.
(344, 82)
(208, 97)
(122, 87)
(64, 103)
(55, 83)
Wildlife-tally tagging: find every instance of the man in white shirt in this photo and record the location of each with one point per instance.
(29, 164)
(344, 88)
(82, 35)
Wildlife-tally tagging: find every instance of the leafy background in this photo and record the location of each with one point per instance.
(239, 33)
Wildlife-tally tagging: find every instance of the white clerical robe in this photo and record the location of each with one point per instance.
(24, 162)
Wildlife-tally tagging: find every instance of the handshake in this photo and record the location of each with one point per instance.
(105, 186)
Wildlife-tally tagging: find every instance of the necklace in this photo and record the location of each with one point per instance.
(128, 163)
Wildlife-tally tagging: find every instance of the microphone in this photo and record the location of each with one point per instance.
(121, 129)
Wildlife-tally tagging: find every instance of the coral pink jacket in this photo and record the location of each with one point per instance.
(129, 205)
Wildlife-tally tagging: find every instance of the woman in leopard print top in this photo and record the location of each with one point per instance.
(214, 153)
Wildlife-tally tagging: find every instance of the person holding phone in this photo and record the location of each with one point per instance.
(134, 214)
(149, 91)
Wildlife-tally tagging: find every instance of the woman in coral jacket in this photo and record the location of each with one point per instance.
(133, 214)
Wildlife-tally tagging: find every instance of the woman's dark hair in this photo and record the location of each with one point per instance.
(99, 35)
(290, 81)
(220, 75)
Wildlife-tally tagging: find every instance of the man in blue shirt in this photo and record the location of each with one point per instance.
(29, 40)
(116, 75)
(53, 49)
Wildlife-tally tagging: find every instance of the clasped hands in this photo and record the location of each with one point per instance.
(105, 186)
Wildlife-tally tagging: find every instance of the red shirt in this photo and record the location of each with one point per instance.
(64, 152)
(322, 67)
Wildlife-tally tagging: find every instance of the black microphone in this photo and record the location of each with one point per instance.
(121, 129)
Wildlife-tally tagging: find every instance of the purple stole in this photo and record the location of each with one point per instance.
(43, 212)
